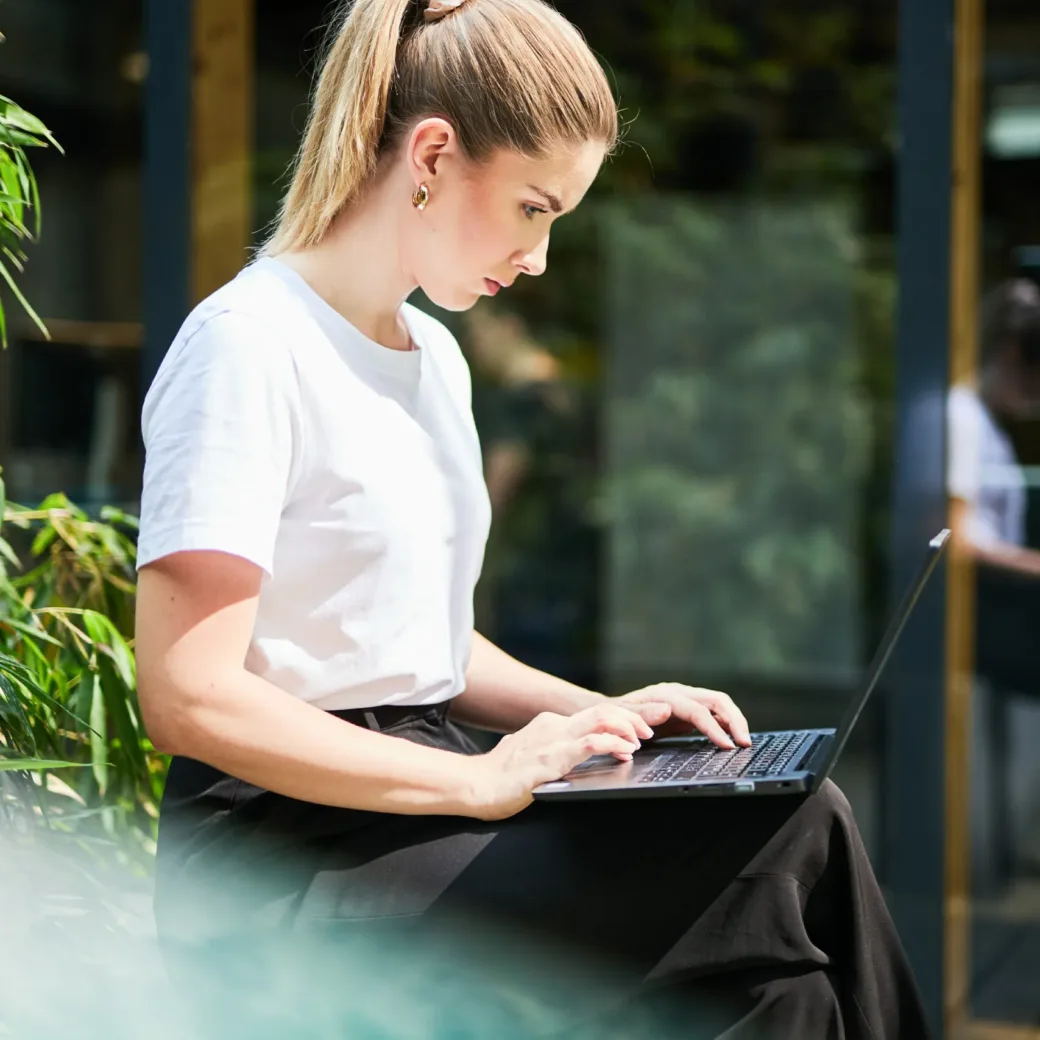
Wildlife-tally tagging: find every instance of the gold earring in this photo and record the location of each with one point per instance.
(420, 197)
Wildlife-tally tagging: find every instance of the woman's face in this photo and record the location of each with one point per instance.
(485, 224)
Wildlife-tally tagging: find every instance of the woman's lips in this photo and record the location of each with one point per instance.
(492, 286)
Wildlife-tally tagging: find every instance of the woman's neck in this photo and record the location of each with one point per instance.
(358, 270)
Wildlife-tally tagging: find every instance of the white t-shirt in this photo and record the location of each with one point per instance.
(349, 472)
(982, 469)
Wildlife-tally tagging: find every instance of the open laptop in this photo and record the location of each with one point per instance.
(784, 762)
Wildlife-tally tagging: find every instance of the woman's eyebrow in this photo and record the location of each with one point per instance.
(554, 203)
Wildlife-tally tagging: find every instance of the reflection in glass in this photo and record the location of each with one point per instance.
(994, 443)
(737, 439)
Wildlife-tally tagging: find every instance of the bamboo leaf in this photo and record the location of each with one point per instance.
(106, 638)
(37, 764)
(99, 736)
(32, 631)
(11, 705)
(7, 552)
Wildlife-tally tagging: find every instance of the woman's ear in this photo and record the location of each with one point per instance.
(431, 142)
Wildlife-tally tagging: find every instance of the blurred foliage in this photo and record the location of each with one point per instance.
(738, 437)
(68, 687)
(20, 213)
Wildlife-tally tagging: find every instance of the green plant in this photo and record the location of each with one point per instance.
(20, 213)
(68, 688)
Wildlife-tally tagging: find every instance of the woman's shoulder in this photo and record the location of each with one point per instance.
(236, 336)
(252, 299)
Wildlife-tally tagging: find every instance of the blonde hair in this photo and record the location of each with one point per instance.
(505, 73)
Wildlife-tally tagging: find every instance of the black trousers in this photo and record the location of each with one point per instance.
(691, 918)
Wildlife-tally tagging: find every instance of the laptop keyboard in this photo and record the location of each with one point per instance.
(769, 754)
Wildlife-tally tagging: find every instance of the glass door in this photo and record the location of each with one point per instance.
(993, 483)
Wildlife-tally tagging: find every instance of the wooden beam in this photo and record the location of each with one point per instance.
(91, 335)
(960, 583)
(980, 1030)
(222, 140)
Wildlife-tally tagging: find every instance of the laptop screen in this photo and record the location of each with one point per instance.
(884, 651)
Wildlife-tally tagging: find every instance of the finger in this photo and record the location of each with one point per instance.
(611, 719)
(603, 744)
(653, 713)
(699, 715)
(625, 715)
(566, 756)
(723, 708)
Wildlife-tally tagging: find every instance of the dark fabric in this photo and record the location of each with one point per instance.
(686, 917)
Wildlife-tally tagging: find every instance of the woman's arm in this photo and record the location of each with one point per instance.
(1020, 560)
(195, 616)
(504, 695)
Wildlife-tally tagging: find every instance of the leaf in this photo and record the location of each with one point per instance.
(37, 764)
(31, 631)
(7, 552)
(118, 700)
(106, 638)
(98, 735)
(21, 138)
(11, 704)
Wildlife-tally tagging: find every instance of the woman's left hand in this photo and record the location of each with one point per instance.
(690, 709)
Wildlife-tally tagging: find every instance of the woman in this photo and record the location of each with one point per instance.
(313, 522)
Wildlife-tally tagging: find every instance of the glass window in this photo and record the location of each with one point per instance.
(994, 424)
(69, 408)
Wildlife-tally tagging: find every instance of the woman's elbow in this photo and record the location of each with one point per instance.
(165, 712)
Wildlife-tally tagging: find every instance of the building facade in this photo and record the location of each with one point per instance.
(714, 431)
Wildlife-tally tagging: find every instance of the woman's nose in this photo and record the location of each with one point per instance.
(534, 262)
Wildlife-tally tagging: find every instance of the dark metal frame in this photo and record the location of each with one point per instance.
(167, 178)
(915, 793)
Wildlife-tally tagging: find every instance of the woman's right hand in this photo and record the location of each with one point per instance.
(549, 747)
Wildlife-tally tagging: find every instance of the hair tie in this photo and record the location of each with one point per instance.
(437, 9)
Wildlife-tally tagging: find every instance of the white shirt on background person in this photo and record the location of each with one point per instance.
(983, 471)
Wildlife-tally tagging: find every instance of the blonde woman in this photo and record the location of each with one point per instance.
(314, 518)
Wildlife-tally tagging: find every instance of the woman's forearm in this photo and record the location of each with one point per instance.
(502, 694)
(250, 729)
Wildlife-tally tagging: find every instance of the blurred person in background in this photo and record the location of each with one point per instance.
(314, 516)
(988, 496)
(985, 479)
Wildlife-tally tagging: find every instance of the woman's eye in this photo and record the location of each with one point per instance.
(530, 211)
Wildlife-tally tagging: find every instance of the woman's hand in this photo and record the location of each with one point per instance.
(549, 747)
(688, 709)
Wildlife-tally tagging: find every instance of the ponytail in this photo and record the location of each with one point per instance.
(341, 143)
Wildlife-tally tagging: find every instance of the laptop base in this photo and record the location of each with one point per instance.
(605, 777)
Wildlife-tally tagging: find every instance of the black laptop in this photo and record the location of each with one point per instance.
(786, 762)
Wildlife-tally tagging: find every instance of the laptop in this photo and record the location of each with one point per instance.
(785, 762)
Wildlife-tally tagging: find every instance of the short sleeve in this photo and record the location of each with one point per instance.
(220, 424)
(963, 447)
(967, 433)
